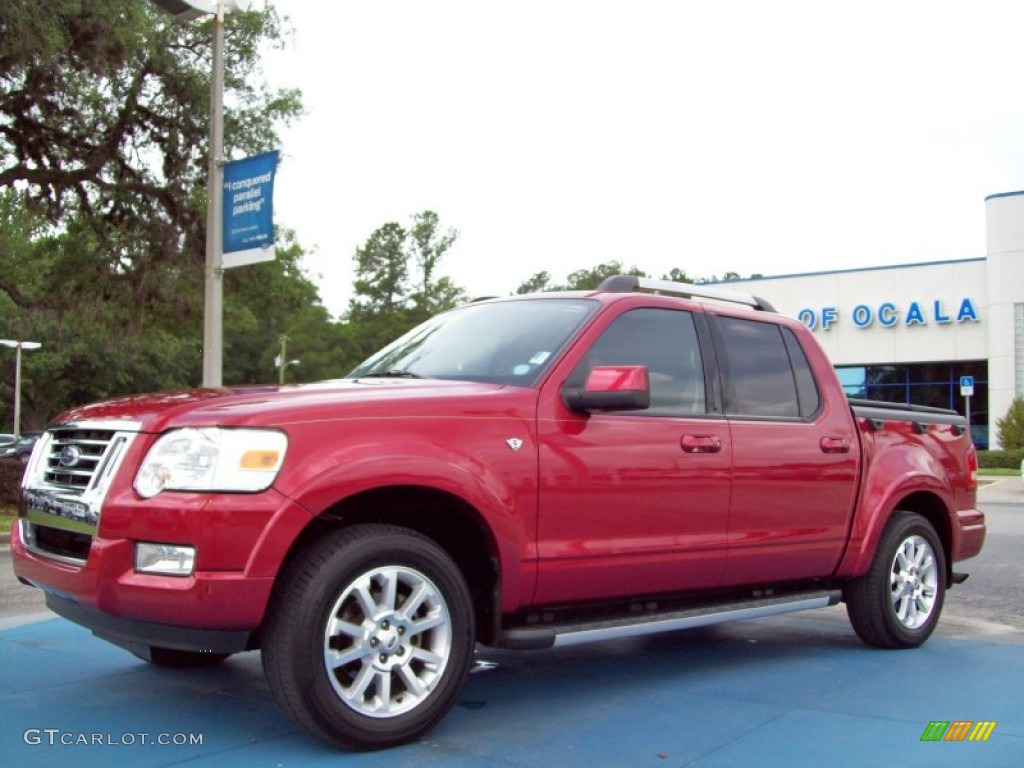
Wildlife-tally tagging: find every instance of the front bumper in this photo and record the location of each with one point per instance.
(107, 585)
(218, 608)
(139, 635)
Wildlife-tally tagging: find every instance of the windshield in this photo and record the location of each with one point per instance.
(505, 342)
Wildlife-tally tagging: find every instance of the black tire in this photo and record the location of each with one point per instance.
(172, 658)
(897, 603)
(369, 637)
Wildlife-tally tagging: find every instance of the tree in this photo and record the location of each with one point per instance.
(428, 246)
(589, 279)
(385, 305)
(580, 280)
(104, 122)
(538, 283)
(1011, 426)
(726, 277)
(677, 275)
(272, 299)
(104, 110)
(382, 271)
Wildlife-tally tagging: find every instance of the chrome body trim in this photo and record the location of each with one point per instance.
(66, 481)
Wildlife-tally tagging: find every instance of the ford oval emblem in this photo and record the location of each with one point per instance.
(70, 456)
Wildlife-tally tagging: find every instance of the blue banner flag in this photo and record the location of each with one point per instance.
(248, 209)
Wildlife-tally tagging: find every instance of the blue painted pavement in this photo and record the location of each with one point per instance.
(788, 691)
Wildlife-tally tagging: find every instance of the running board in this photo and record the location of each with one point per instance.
(563, 635)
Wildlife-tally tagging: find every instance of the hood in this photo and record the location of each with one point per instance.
(280, 405)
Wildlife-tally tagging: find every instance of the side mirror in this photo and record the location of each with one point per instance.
(611, 388)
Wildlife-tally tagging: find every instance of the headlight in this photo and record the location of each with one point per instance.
(212, 459)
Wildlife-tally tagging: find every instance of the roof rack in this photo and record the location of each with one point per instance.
(630, 283)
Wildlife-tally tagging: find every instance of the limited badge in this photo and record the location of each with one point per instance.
(514, 443)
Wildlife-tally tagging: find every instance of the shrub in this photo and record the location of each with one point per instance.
(1000, 459)
(10, 479)
(1011, 426)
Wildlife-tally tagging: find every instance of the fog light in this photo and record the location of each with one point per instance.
(166, 559)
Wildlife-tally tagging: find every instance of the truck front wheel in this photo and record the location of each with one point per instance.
(369, 637)
(897, 603)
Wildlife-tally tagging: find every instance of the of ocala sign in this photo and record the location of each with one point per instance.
(889, 314)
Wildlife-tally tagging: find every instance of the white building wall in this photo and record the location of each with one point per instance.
(1005, 233)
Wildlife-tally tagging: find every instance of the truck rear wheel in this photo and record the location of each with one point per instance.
(369, 637)
(897, 603)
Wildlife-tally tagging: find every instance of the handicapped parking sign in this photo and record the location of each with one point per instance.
(966, 386)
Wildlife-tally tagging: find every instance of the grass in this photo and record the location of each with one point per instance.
(7, 517)
(999, 472)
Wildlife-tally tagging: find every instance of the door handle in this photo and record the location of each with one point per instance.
(701, 444)
(835, 444)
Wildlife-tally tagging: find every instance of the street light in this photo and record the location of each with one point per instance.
(281, 361)
(213, 306)
(18, 346)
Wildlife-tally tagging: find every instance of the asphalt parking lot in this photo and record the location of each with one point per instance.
(793, 690)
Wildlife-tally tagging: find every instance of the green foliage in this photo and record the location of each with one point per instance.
(10, 480)
(1011, 426)
(427, 245)
(580, 280)
(382, 271)
(677, 275)
(395, 287)
(1000, 459)
(104, 122)
(267, 300)
(726, 277)
(106, 107)
(589, 279)
(538, 283)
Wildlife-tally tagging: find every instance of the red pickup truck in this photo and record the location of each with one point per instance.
(524, 472)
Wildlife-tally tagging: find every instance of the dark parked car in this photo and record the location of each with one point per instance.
(23, 447)
(6, 446)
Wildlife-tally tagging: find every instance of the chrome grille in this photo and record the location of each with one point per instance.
(65, 483)
(75, 456)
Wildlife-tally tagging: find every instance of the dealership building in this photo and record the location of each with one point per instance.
(948, 334)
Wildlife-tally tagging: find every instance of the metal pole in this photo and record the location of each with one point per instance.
(17, 392)
(284, 357)
(214, 293)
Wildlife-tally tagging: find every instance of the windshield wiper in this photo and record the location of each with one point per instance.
(394, 373)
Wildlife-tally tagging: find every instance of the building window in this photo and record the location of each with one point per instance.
(933, 384)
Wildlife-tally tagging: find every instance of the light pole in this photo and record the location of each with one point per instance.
(282, 361)
(213, 303)
(18, 346)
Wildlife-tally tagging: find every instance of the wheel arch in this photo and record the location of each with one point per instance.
(929, 506)
(449, 521)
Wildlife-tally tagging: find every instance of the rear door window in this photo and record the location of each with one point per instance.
(765, 373)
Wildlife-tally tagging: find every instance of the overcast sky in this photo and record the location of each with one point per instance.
(773, 137)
